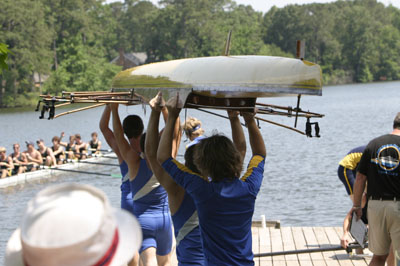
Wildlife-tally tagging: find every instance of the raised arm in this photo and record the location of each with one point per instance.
(61, 137)
(165, 146)
(108, 134)
(131, 157)
(256, 139)
(151, 146)
(237, 133)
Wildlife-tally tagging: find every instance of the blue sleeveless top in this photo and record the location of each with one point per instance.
(126, 195)
(147, 193)
(189, 249)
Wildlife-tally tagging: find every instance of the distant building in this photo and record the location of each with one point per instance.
(39, 79)
(128, 60)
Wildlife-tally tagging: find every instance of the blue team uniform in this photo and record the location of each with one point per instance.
(150, 206)
(348, 168)
(225, 210)
(189, 250)
(126, 195)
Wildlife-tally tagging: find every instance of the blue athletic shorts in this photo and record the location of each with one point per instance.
(127, 201)
(348, 177)
(157, 232)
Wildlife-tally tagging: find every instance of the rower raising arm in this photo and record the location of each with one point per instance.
(130, 156)
(108, 134)
(237, 133)
(175, 192)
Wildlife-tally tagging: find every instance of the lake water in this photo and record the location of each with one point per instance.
(300, 186)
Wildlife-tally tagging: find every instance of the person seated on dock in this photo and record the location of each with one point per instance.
(224, 200)
(69, 146)
(58, 150)
(189, 250)
(193, 130)
(95, 144)
(150, 198)
(6, 163)
(81, 147)
(47, 154)
(33, 156)
(348, 167)
(19, 160)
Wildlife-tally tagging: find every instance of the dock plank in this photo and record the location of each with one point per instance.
(277, 245)
(256, 244)
(300, 243)
(317, 258)
(288, 244)
(329, 256)
(265, 246)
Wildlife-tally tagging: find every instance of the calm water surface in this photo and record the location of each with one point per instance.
(300, 186)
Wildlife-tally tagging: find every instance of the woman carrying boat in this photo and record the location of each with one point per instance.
(126, 195)
(19, 160)
(58, 150)
(6, 164)
(224, 202)
(150, 198)
(193, 130)
(189, 250)
(95, 144)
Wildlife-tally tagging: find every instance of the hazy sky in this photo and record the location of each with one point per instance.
(265, 5)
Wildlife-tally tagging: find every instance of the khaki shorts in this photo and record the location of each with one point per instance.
(384, 226)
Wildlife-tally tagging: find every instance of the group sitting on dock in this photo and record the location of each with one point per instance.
(32, 159)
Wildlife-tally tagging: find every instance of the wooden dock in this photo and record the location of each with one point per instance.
(276, 238)
(270, 239)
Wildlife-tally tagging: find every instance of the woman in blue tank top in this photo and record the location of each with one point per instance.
(150, 200)
(189, 250)
(126, 195)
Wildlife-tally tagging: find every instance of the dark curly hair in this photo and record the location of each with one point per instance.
(189, 163)
(218, 158)
(133, 126)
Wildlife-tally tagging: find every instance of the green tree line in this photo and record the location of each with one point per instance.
(73, 41)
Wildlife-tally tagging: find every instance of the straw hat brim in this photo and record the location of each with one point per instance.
(130, 239)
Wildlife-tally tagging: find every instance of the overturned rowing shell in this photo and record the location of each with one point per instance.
(224, 77)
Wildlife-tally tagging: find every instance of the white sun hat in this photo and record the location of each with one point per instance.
(73, 225)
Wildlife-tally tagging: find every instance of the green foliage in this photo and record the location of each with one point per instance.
(4, 51)
(80, 70)
(353, 41)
